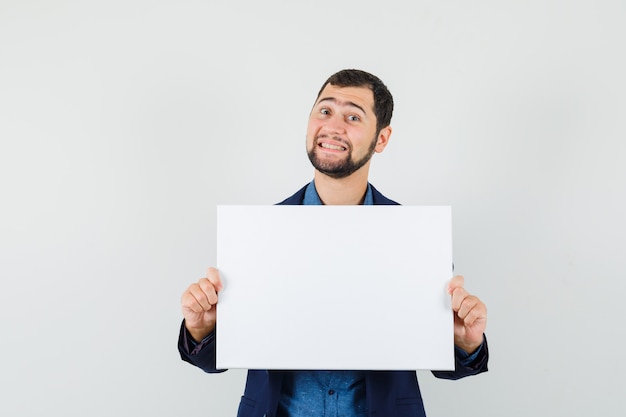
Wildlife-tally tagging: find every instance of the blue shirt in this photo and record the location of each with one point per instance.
(311, 198)
(324, 393)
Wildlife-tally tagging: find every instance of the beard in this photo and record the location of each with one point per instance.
(340, 168)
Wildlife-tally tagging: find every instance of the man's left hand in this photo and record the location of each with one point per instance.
(470, 316)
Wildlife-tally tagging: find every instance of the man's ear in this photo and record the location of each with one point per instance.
(383, 139)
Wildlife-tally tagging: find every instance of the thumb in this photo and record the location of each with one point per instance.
(456, 282)
(213, 276)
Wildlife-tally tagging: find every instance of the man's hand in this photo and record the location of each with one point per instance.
(470, 316)
(198, 305)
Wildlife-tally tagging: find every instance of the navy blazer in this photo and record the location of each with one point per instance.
(388, 393)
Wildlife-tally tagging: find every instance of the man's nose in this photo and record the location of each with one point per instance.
(334, 125)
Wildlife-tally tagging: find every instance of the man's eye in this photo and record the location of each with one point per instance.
(325, 111)
(354, 118)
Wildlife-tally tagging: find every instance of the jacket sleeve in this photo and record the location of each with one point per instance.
(476, 366)
(200, 354)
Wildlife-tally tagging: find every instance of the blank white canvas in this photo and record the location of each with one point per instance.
(335, 287)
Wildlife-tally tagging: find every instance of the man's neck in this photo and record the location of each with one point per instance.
(341, 191)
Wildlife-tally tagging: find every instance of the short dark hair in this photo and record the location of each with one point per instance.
(383, 100)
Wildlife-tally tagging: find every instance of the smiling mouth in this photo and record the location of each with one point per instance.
(332, 147)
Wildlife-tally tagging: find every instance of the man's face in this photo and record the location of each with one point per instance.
(341, 137)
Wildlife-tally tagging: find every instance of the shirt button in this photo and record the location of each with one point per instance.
(331, 392)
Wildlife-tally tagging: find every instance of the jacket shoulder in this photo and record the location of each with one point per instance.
(294, 200)
(381, 200)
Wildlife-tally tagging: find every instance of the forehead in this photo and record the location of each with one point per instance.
(346, 96)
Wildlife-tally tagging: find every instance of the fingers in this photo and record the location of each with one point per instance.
(470, 310)
(195, 300)
(202, 295)
(467, 307)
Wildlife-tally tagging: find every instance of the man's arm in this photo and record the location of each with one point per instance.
(470, 321)
(200, 354)
(466, 364)
(196, 340)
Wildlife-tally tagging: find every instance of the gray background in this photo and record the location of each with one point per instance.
(124, 123)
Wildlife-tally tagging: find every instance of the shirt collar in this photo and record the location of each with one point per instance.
(311, 198)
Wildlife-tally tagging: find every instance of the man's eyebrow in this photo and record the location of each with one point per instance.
(342, 103)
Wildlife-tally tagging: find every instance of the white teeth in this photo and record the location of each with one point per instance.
(334, 147)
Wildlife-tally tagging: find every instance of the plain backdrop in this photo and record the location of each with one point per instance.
(124, 123)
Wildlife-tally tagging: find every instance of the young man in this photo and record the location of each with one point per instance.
(349, 122)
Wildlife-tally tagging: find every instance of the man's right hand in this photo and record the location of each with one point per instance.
(198, 305)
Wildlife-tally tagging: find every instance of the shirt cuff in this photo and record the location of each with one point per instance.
(466, 358)
(191, 346)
